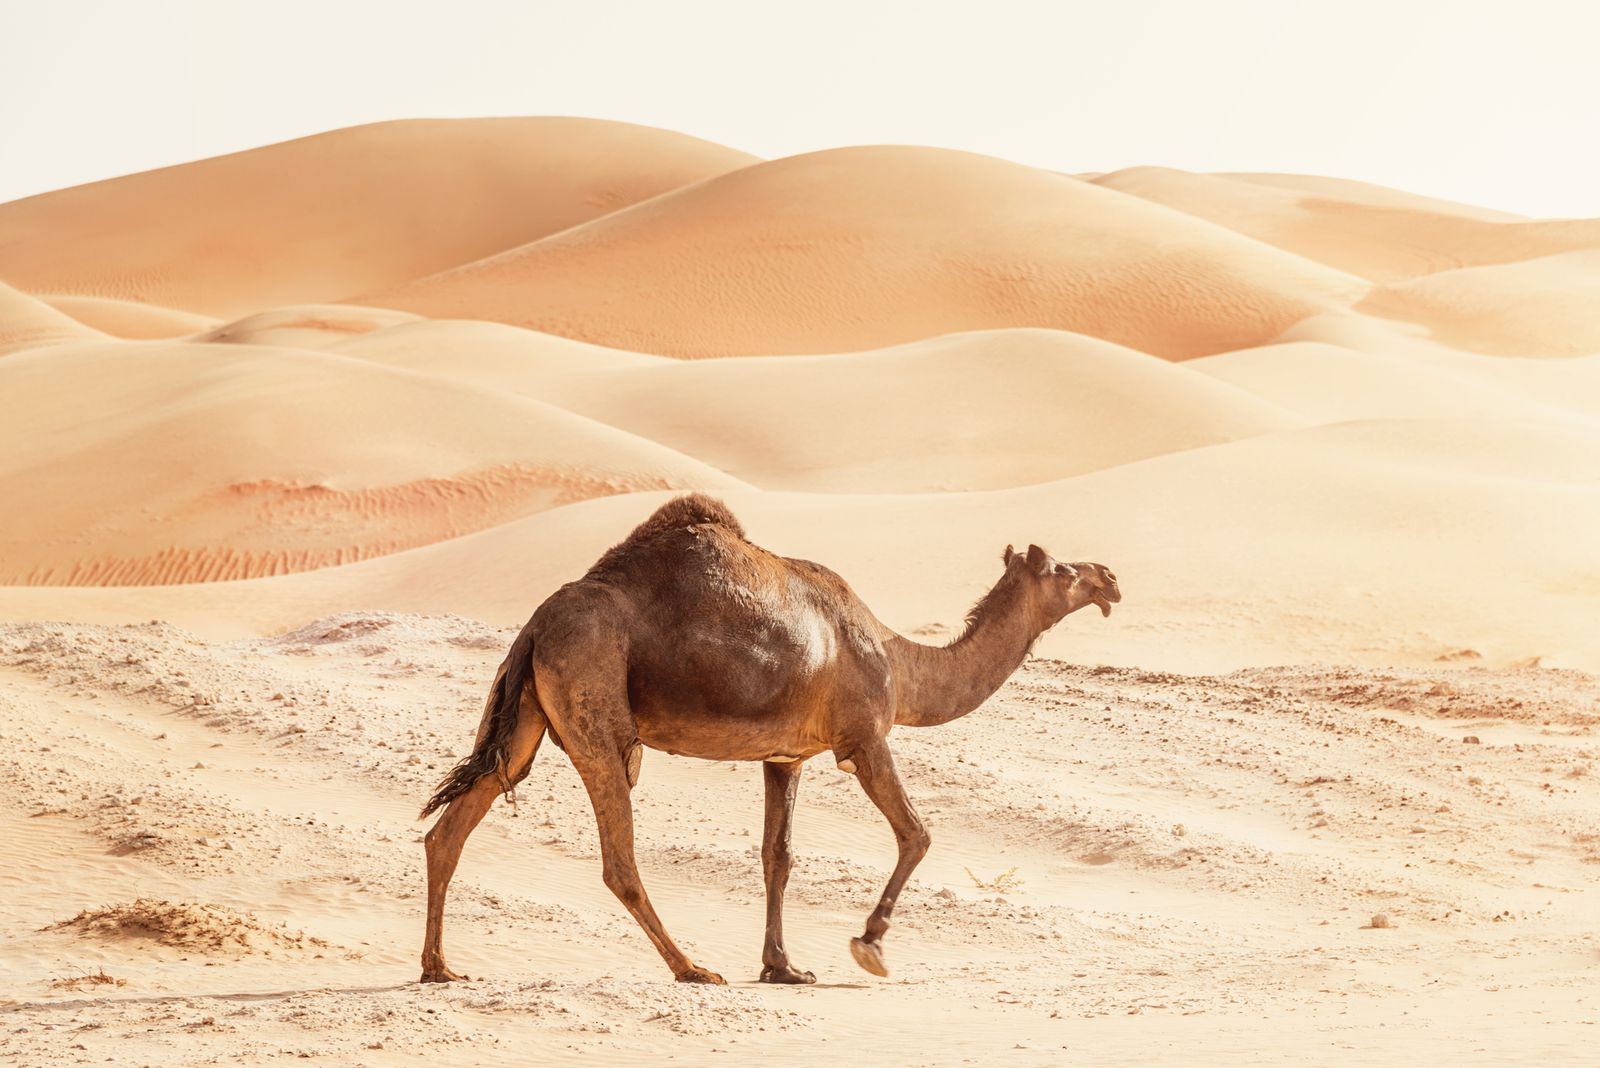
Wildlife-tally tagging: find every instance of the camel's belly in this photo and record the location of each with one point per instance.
(697, 733)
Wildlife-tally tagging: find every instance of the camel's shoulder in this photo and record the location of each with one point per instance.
(825, 577)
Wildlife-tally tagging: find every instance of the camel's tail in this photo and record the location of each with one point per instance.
(492, 753)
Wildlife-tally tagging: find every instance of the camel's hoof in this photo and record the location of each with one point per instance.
(786, 974)
(443, 975)
(697, 974)
(869, 955)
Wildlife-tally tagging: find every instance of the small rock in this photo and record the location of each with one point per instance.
(1380, 920)
(1471, 739)
(198, 764)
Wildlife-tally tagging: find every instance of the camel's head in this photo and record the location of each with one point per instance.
(1065, 588)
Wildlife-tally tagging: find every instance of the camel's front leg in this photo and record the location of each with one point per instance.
(874, 766)
(783, 780)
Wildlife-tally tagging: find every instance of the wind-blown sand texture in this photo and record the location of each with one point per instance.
(339, 435)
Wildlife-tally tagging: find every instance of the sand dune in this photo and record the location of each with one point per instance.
(130, 319)
(1331, 383)
(1014, 407)
(1537, 307)
(859, 248)
(492, 355)
(1571, 383)
(325, 217)
(1382, 238)
(306, 326)
(1383, 541)
(259, 461)
(1368, 194)
(26, 322)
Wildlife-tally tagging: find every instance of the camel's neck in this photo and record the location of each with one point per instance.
(936, 685)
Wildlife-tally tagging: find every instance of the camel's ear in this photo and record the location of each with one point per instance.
(1007, 556)
(1039, 560)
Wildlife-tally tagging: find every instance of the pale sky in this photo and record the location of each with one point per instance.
(1494, 103)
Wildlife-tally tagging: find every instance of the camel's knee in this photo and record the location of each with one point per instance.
(623, 881)
(914, 843)
(777, 860)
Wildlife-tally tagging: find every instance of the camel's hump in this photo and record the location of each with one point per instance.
(686, 511)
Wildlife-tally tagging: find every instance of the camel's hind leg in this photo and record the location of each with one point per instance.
(445, 839)
(596, 726)
(606, 779)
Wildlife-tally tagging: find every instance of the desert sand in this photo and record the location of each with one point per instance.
(274, 507)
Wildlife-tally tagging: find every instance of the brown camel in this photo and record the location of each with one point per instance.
(687, 638)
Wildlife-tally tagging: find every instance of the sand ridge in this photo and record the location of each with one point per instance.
(312, 460)
(864, 247)
(26, 322)
(339, 213)
(1375, 234)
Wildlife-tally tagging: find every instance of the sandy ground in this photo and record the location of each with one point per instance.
(268, 507)
(1127, 866)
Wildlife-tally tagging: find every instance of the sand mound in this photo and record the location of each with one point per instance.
(1332, 383)
(864, 247)
(969, 411)
(1384, 238)
(492, 355)
(1540, 307)
(134, 320)
(1367, 194)
(323, 217)
(199, 928)
(1278, 548)
(26, 322)
(310, 460)
(305, 326)
(88, 981)
(1571, 383)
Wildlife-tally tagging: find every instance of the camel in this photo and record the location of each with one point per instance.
(686, 637)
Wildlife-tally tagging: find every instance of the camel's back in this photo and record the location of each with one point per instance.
(718, 622)
(691, 562)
